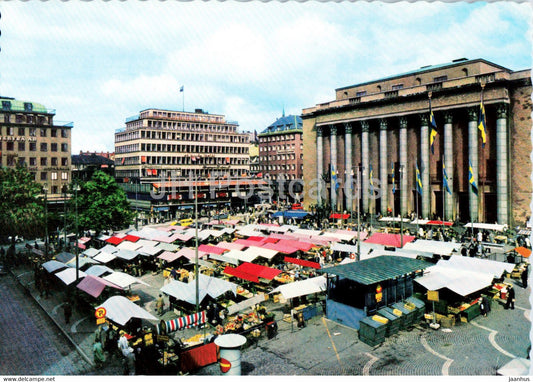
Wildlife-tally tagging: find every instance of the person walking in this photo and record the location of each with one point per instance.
(510, 298)
(160, 305)
(524, 275)
(98, 354)
(67, 312)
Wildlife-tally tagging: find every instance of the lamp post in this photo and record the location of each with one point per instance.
(76, 189)
(45, 189)
(401, 217)
(65, 215)
(197, 282)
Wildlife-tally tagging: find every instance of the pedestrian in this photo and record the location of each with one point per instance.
(98, 354)
(128, 362)
(510, 298)
(524, 275)
(482, 307)
(67, 311)
(160, 304)
(123, 344)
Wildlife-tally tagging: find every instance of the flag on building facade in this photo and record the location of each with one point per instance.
(371, 176)
(334, 178)
(181, 89)
(481, 124)
(433, 133)
(418, 180)
(471, 179)
(393, 181)
(445, 179)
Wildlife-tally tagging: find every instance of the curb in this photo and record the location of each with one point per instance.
(78, 348)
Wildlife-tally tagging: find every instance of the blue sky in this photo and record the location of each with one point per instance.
(97, 63)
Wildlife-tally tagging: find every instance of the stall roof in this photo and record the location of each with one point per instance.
(168, 247)
(307, 232)
(495, 227)
(495, 268)
(393, 219)
(300, 245)
(130, 246)
(131, 238)
(460, 281)
(290, 214)
(120, 310)
(211, 286)
(126, 254)
(91, 252)
(240, 255)
(95, 285)
(389, 239)
(147, 243)
(104, 257)
(303, 263)
(261, 252)
(280, 247)
(346, 235)
(150, 250)
(169, 256)
(65, 257)
(54, 265)
(443, 248)
(98, 270)
(114, 240)
(224, 259)
(122, 279)
(377, 269)
(230, 246)
(240, 274)
(82, 260)
(347, 248)
(522, 251)
(259, 270)
(211, 249)
(109, 249)
(165, 238)
(302, 288)
(68, 276)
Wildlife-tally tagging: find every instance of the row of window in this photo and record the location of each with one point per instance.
(28, 119)
(32, 131)
(13, 160)
(399, 86)
(191, 126)
(280, 148)
(193, 137)
(182, 174)
(279, 167)
(277, 138)
(188, 160)
(32, 146)
(203, 117)
(279, 157)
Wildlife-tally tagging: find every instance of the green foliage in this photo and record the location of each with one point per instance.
(102, 205)
(21, 203)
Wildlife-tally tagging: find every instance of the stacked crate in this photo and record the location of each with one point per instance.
(394, 320)
(372, 332)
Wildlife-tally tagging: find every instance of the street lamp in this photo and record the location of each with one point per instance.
(76, 189)
(400, 193)
(45, 189)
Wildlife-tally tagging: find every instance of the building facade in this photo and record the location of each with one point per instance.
(377, 137)
(85, 165)
(29, 137)
(180, 151)
(281, 156)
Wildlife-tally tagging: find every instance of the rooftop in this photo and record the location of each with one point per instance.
(285, 123)
(11, 104)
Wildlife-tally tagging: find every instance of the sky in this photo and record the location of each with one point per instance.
(98, 62)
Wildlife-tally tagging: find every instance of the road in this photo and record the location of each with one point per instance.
(30, 343)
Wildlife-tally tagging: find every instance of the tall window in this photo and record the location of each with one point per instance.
(44, 161)
(43, 132)
(22, 146)
(10, 146)
(33, 146)
(44, 146)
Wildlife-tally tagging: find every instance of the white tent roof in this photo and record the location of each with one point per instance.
(495, 227)
(126, 254)
(168, 247)
(224, 259)
(68, 276)
(346, 248)
(434, 246)
(393, 219)
(150, 250)
(307, 232)
(91, 252)
(249, 232)
(122, 279)
(53, 265)
(459, 281)
(345, 235)
(258, 299)
(109, 249)
(211, 286)
(129, 245)
(232, 245)
(262, 252)
(147, 243)
(302, 288)
(495, 268)
(240, 255)
(104, 257)
(98, 270)
(515, 367)
(82, 260)
(120, 310)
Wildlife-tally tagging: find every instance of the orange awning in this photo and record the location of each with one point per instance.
(522, 251)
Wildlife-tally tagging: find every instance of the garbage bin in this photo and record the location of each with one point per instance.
(272, 329)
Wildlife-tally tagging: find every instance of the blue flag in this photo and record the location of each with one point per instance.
(181, 89)
(433, 133)
(481, 125)
(393, 181)
(471, 178)
(371, 175)
(445, 179)
(334, 178)
(418, 181)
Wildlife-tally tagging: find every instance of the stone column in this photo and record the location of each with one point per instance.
(448, 162)
(473, 155)
(405, 182)
(348, 180)
(333, 162)
(365, 164)
(319, 161)
(502, 157)
(424, 165)
(383, 166)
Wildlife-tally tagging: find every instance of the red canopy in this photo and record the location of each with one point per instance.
(389, 239)
(269, 240)
(339, 216)
(248, 242)
(439, 222)
(115, 240)
(240, 274)
(302, 246)
(94, 285)
(131, 238)
(303, 263)
(259, 270)
(211, 249)
(286, 249)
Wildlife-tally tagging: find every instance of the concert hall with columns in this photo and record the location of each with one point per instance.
(380, 135)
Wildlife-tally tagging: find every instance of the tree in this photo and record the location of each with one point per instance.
(21, 203)
(101, 204)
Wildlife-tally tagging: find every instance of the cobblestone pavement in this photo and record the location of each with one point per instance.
(323, 347)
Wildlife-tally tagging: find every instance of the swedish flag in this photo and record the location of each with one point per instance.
(418, 181)
(433, 133)
(371, 176)
(334, 177)
(445, 179)
(393, 181)
(471, 178)
(481, 124)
